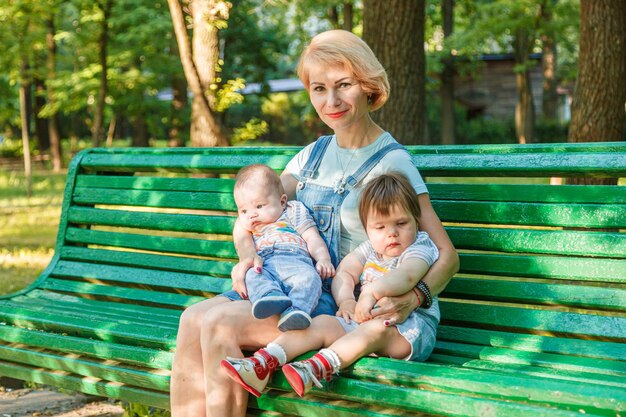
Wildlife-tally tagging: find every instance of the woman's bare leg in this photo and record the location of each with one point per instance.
(226, 330)
(187, 394)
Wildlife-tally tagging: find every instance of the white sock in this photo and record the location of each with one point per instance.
(278, 352)
(332, 358)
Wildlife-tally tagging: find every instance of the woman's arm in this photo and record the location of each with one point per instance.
(397, 309)
(289, 184)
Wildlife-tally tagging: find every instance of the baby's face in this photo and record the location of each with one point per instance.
(258, 206)
(390, 235)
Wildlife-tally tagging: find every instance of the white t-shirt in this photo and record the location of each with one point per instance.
(331, 170)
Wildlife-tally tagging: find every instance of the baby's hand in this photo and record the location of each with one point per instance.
(346, 310)
(325, 268)
(363, 309)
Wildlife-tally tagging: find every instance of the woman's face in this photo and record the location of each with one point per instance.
(337, 97)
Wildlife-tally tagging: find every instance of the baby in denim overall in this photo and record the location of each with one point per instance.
(286, 238)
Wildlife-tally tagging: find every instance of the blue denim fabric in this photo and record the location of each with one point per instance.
(289, 271)
(325, 305)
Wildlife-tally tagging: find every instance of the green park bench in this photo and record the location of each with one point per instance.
(533, 324)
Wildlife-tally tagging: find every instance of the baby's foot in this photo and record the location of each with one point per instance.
(293, 319)
(270, 304)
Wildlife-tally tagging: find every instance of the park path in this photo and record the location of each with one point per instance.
(27, 402)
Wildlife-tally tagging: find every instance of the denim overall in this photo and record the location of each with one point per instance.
(325, 205)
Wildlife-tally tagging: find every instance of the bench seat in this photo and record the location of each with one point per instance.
(533, 324)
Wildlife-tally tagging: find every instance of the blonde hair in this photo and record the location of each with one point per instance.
(387, 191)
(343, 48)
(265, 176)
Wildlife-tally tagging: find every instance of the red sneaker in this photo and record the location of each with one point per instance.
(304, 374)
(252, 373)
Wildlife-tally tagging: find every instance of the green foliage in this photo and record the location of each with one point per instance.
(141, 410)
(253, 129)
(229, 94)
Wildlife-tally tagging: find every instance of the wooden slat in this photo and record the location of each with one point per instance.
(166, 244)
(563, 194)
(88, 385)
(568, 243)
(545, 373)
(121, 294)
(533, 343)
(549, 360)
(148, 260)
(161, 199)
(398, 397)
(50, 299)
(212, 185)
(78, 365)
(554, 267)
(526, 291)
(47, 307)
(523, 165)
(483, 162)
(197, 162)
(534, 319)
(503, 148)
(190, 223)
(533, 214)
(520, 387)
(162, 279)
(158, 359)
(100, 329)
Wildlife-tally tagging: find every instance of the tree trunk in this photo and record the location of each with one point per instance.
(549, 104)
(53, 125)
(525, 107)
(97, 128)
(41, 123)
(178, 107)
(205, 129)
(26, 138)
(600, 92)
(348, 9)
(395, 31)
(447, 79)
(140, 132)
(333, 16)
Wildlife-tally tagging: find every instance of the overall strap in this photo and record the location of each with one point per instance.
(319, 148)
(367, 166)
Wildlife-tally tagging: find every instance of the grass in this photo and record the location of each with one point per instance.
(28, 226)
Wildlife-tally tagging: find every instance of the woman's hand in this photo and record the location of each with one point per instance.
(325, 268)
(238, 273)
(346, 310)
(395, 310)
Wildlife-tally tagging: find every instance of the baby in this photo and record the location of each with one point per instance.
(287, 239)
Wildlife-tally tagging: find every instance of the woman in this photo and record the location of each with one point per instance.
(345, 82)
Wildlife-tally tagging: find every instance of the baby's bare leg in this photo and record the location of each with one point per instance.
(324, 330)
(371, 337)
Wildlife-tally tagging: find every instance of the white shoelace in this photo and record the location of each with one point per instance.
(308, 371)
(246, 363)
